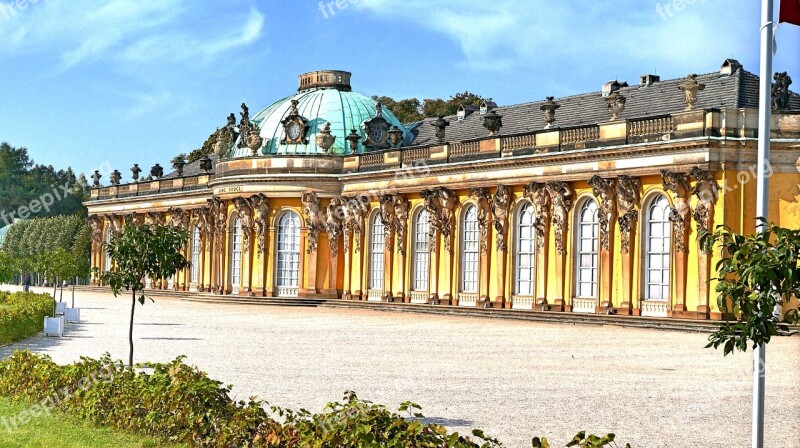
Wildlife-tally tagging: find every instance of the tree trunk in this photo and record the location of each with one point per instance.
(73, 295)
(130, 330)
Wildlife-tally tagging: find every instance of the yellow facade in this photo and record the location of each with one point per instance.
(648, 185)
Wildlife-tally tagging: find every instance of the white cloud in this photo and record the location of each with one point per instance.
(83, 31)
(505, 34)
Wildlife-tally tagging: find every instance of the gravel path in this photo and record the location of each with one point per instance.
(513, 379)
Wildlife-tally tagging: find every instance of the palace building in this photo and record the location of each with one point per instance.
(592, 203)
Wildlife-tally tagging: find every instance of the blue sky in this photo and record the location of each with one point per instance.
(138, 81)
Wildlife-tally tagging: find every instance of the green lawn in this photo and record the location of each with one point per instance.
(61, 431)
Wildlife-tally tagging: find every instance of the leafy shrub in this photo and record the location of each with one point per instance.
(22, 314)
(179, 403)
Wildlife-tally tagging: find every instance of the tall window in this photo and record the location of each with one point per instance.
(526, 252)
(196, 242)
(288, 259)
(586, 263)
(376, 253)
(108, 257)
(422, 254)
(470, 239)
(236, 255)
(657, 250)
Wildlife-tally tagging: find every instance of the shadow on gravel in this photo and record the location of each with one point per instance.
(172, 339)
(162, 325)
(446, 421)
(40, 343)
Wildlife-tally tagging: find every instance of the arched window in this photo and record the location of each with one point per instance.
(470, 242)
(236, 255)
(376, 253)
(108, 257)
(657, 250)
(526, 252)
(422, 254)
(288, 254)
(586, 257)
(196, 243)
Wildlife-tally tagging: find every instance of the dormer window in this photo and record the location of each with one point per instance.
(487, 105)
(465, 111)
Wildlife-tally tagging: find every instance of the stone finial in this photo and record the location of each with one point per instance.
(96, 179)
(206, 165)
(178, 163)
(441, 126)
(135, 171)
(615, 104)
(395, 136)
(353, 138)
(157, 171)
(549, 108)
(116, 176)
(690, 86)
(493, 121)
(324, 139)
(780, 91)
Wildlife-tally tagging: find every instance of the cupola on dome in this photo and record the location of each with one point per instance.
(323, 117)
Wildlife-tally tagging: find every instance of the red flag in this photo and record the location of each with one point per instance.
(790, 11)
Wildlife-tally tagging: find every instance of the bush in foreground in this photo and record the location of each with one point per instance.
(22, 315)
(179, 403)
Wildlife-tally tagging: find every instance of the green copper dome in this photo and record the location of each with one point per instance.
(323, 98)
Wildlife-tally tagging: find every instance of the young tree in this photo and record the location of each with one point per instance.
(139, 252)
(757, 274)
(7, 267)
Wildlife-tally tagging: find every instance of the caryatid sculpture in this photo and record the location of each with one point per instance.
(401, 206)
(539, 196)
(260, 203)
(561, 195)
(678, 185)
(604, 191)
(501, 201)
(314, 219)
(333, 224)
(706, 189)
(628, 198)
(482, 199)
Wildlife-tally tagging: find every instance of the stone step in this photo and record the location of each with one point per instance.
(686, 325)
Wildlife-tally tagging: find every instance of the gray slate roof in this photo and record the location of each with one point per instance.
(738, 90)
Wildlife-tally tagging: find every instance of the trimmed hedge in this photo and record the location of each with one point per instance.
(179, 403)
(23, 314)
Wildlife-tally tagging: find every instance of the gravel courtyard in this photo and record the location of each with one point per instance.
(513, 379)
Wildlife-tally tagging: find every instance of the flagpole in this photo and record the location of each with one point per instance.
(762, 200)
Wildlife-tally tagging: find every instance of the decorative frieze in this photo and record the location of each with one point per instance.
(605, 192)
(314, 219)
(678, 185)
(628, 198)
(540, 197)
(501, 201)
(483, 199)
(706, 189)
(561, 195)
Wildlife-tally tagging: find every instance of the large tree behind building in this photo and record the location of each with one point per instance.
(23, 182)
(411, 110)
